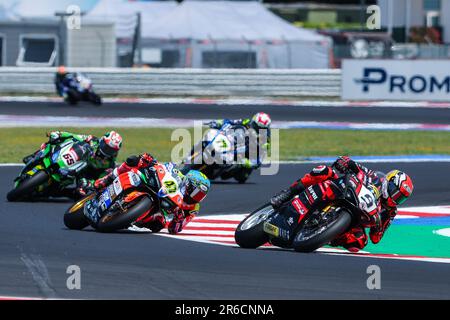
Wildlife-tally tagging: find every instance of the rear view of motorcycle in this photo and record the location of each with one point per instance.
(78, 87)
(217, 155)
(291, 227)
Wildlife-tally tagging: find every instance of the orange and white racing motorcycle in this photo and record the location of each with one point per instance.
(132, 198)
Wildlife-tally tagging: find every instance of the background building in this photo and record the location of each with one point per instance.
(417, 20)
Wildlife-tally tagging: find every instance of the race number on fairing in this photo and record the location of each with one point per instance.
(367, 200)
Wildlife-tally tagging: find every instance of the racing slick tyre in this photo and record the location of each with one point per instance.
(26, 188)
(72, 97)
(250, 232)
(242, 176)
(74, 217)
(123, 219)
(309, 239)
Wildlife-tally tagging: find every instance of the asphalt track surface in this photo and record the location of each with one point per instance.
(211, 111)
(36, 250)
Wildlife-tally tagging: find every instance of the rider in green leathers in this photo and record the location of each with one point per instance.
(101, 161)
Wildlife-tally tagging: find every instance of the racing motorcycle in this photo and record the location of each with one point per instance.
(290, 227)
(133, 197)
(216, 153)
(55, 167)
(81, 90)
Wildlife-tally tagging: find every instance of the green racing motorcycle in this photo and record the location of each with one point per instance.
(55, 167)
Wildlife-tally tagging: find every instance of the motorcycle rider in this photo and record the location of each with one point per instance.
(315, 188)
(64, 79)
(68, 82)
(195, 187)
(104, 151)
(259, 123)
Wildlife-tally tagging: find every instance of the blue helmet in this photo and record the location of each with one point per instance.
(196, 186)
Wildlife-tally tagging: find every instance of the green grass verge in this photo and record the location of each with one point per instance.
(15, 143)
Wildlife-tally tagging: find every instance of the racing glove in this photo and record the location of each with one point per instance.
(102, 183)
(84, 187)
(215, 124)
(344, 164)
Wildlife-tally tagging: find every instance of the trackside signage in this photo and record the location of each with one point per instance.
(427, 80)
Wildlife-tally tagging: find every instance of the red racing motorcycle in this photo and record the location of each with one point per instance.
(290, 227)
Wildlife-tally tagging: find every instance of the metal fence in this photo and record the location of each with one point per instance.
(183, 82)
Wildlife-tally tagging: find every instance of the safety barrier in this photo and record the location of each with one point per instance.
(183, 82)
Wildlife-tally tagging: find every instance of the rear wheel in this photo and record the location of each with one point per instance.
(315, 235)
(123, 219)
(250, 232)
(74, 217)
(26, 188)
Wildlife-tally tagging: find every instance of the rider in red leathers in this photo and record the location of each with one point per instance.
(195, 186)
(316, 188)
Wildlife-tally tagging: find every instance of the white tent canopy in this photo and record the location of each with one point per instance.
(235, 34)
(123, 13)
(117, 11)
(151, 11)
(228, 20)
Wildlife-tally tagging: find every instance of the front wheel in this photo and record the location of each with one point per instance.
(250, 232)
(27, 187)
(123, 219)
(74, 217)
(95, 98)
(242, 175)
(312, 236)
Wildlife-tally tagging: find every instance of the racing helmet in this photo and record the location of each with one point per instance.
(195, 187)
(110, 144)
(398, 186)
(61, 70)
(260, 120)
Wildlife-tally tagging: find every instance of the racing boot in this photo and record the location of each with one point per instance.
(155, 223)
(353, 240)
(28, 158)
(31, 158)
(34, 156)
(284, 195)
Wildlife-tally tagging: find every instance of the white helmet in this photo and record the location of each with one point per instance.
(261, 120)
